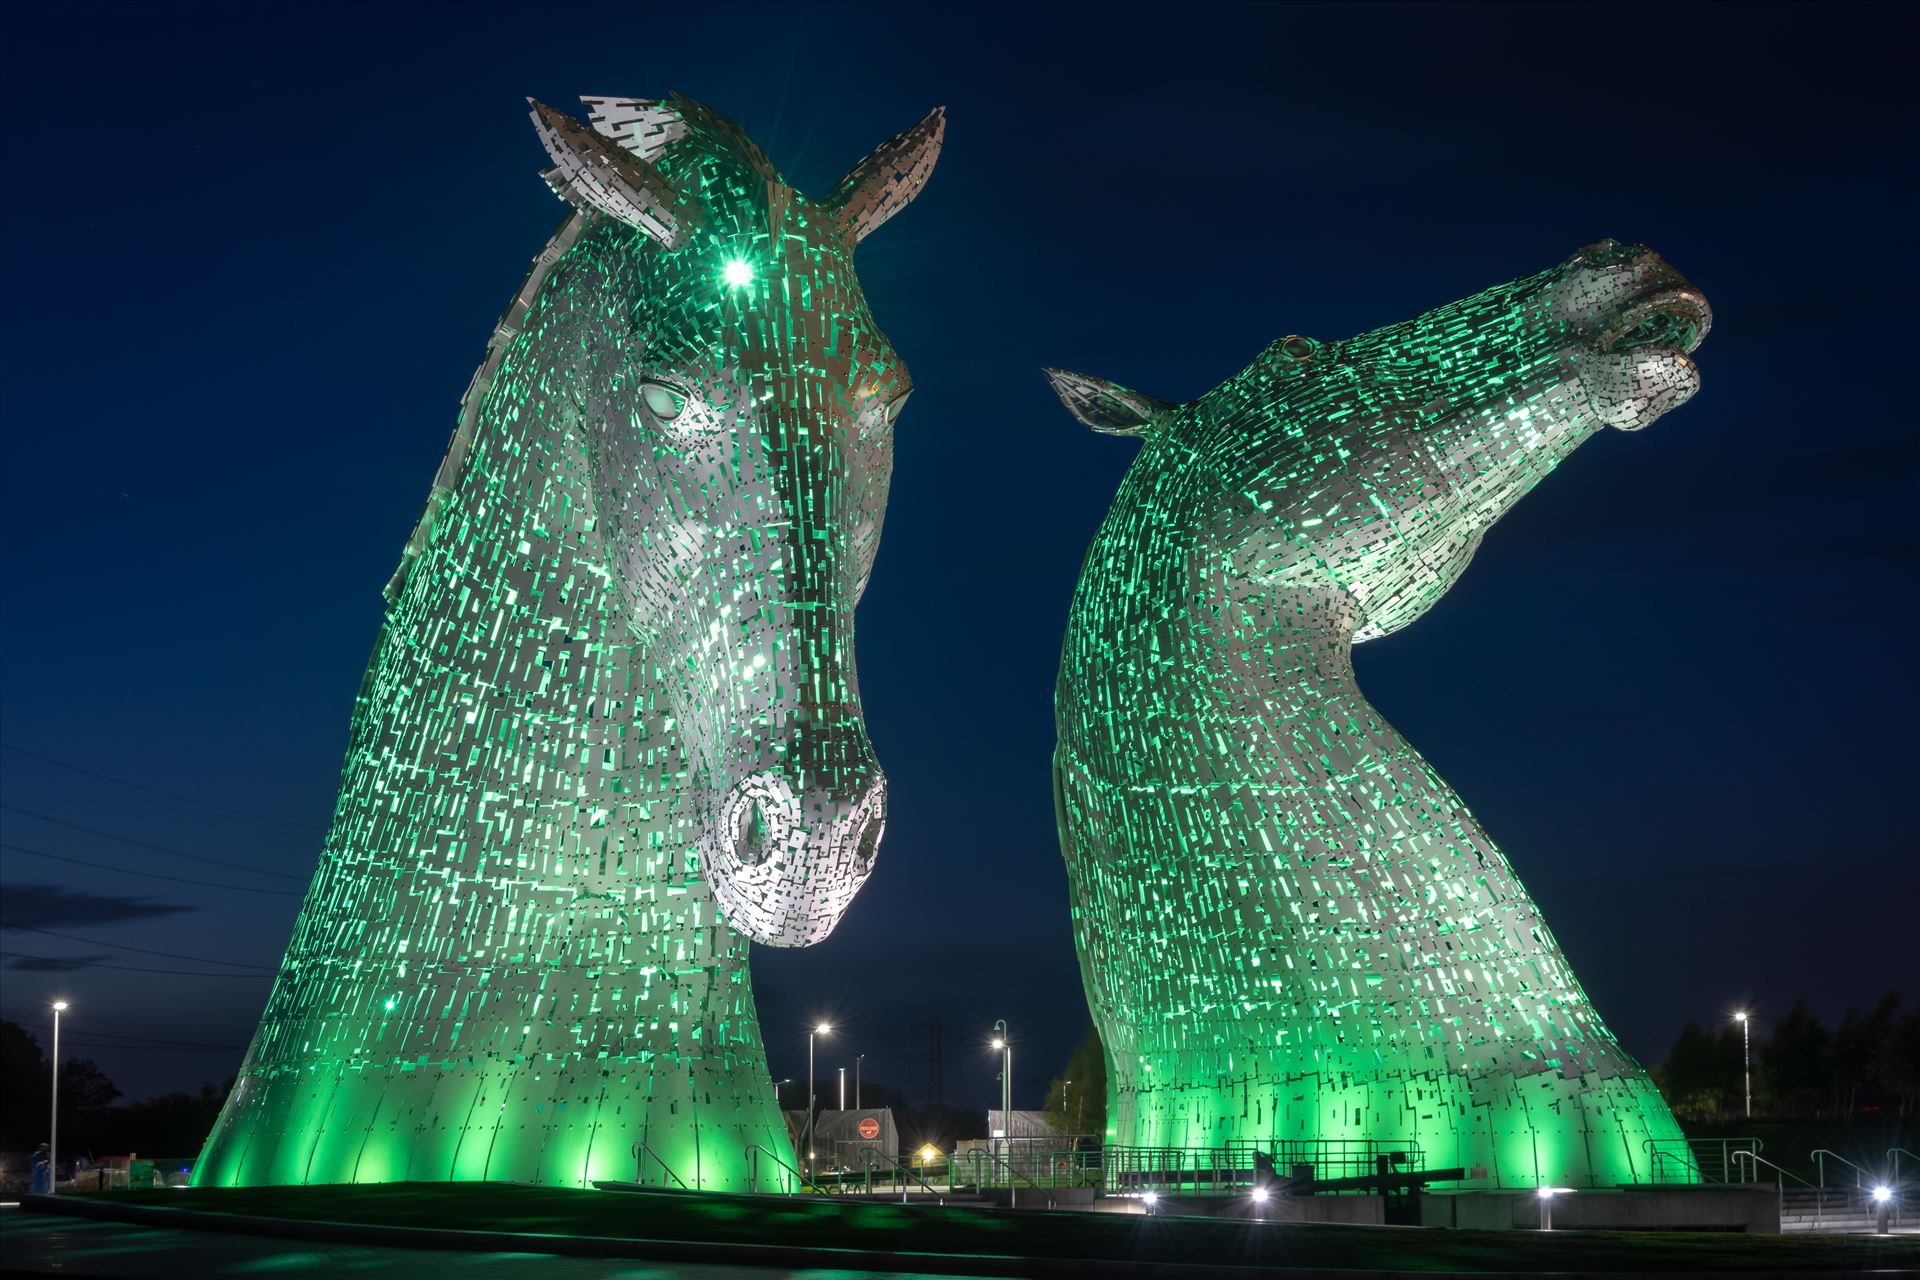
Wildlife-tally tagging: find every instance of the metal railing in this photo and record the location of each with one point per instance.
(1819, 1158)
(1711, 1159)
(1893, 1162)
(1658, 1154)
(898, 1167)
(1780, 1177)
(640, 1153)
(1014, 1176)
(753, 1151)
(1229, 1169)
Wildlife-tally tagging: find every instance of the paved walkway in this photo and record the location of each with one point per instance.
(42, 1244)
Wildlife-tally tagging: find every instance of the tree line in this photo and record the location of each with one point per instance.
(1868, 1065)
(171, 1124)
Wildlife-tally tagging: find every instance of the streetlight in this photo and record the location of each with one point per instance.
(1882, 1207)
(53, 1125)
(1004, 1044)
(858, 1058)
(776, 1091)
(1546, 1195)
(823, 1029)
(1746, 1055)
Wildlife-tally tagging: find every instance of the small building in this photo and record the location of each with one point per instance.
(840, 1136)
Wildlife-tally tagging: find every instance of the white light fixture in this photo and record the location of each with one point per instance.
(1259, 1195)
(1882, 1194)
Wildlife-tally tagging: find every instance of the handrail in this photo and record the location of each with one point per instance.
(754, 1150)
(640, 1168)
(1819, 1157)
(867, 1155)
(1893, 1161)
(1697, 1153)
(1013, 1191)
(1780, 1175)
(1659, 1155)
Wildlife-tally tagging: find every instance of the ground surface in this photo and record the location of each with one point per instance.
(41, 1244)
(947, 1238)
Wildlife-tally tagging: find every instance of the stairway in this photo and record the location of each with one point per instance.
(1833, 1211)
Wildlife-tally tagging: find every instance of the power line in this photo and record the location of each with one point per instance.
(148, 1042)
(150, 875)
(121, 946)
(171, 795)
(142, 844)
(127, 968)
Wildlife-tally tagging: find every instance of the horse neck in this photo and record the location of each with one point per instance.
(1188, 676)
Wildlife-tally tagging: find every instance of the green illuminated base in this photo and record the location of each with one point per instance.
(1529, 1131)
(504, 1122)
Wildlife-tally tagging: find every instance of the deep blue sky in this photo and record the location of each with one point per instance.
(250, 255)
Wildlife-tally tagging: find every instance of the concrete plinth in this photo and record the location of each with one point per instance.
(1754, 1209)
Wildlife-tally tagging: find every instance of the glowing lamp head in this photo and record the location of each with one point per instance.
(59, 1006)
(1547, 1193)
(1151, 1198)
(737, 274)
(999, 1043)
(823, 1029)
(1740, 1017)
(1259, 1195)
(1882, 1194)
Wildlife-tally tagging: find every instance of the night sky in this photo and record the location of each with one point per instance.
(250, 257)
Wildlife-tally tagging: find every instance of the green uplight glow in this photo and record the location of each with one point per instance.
(738, 274)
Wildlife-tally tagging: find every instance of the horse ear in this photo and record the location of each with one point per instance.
(886, 181)
(1107, 407)
(591, 172)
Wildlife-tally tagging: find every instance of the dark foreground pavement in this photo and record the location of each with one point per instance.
(33, 1244)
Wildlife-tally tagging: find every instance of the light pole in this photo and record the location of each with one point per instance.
(53, 1126)
(1004, 1043)
(822, 1030)
(858, 1058)
(1746, 1056)
(776, 1091)
(843, 1088)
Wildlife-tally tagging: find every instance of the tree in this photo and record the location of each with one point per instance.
(1690, 1076)
(23, 1089)
(1795, 1063)
(1077, 1098)
(1856, 1046)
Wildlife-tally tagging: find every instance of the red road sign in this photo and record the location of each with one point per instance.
(869, 1127)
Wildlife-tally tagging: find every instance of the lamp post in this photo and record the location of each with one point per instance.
(1746, 1056)
(53, 1125)
(843, 1088)
(776, 1091)
(858, 1058)
(1004, 1044)
(821, 1030)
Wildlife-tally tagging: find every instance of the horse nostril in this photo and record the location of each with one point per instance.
(750, 845)
(870, 840)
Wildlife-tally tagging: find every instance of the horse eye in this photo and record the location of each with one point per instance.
(662, 401)
(1298, 347)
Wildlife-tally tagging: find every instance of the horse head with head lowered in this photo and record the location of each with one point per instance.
(741, 435)
(611, 732)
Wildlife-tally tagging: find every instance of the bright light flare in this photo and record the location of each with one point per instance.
(823, 1029)
(1882, 1194)
(1259, 1195)
(737, 274)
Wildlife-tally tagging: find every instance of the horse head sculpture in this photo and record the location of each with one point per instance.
(742, 444)
(611, 732)
(1290, 928)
